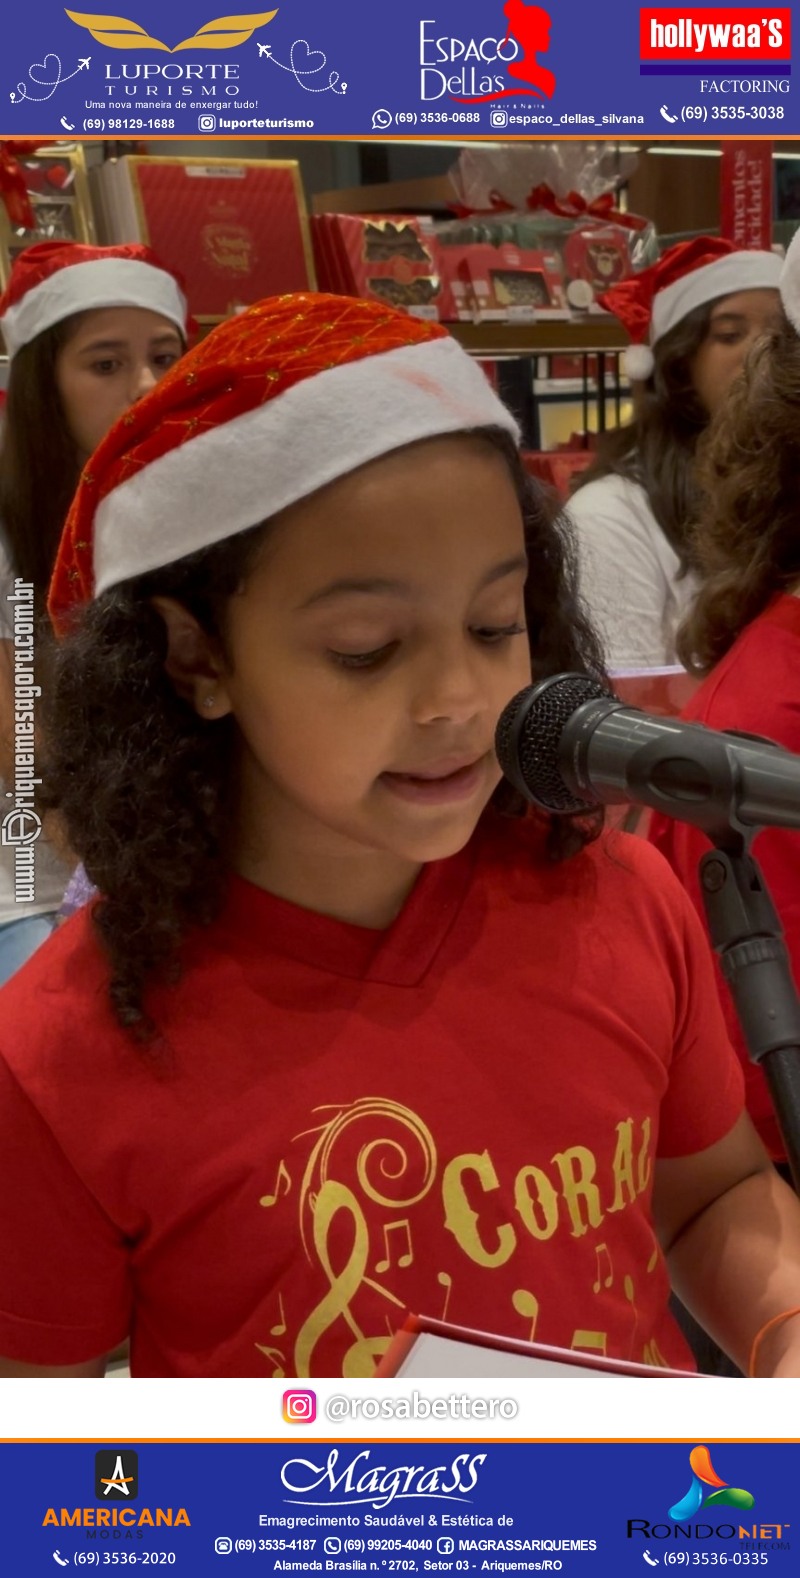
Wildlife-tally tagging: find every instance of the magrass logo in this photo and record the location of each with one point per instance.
(117, 32)
(116, 1475)
(525, 39)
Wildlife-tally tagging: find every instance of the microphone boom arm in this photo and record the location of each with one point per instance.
(747, 935)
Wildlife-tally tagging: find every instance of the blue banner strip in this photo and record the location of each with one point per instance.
(389, 1509)
(688, 68)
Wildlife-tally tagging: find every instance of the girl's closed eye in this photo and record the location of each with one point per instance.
(493, 635)
(487, 635)
(365, 659)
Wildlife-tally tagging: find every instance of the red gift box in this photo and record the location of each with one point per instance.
(236, 229)
(390, 257)
(503, 282)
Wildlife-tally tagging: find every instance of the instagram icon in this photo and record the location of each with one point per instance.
(299, 1408)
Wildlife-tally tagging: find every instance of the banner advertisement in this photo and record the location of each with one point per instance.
(404, 1508)
(484, 68)
(380, 154)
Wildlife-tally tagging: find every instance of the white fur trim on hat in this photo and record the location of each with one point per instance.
(257, 464)
(790, 283)
(724, 277)
(80, 287)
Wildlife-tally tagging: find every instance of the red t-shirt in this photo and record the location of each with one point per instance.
(756, 689)
(456, 1117)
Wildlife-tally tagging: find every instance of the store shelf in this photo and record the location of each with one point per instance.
(540, 339)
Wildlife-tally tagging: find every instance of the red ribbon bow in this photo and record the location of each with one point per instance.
(574, 206)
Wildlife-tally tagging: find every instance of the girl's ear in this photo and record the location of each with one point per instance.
(192, 662)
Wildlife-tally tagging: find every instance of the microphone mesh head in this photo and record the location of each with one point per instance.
(529, 755)
(503, 741)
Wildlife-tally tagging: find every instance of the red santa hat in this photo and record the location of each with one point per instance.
(292, 394)
(688, 275)
(55, 279)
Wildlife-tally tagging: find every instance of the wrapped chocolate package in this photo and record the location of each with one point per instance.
(555, 200)
(393, 258)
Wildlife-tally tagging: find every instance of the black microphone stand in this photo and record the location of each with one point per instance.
(747, 935)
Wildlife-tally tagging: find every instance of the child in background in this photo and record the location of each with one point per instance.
(342, 1038)
(700, 307)
(89, 330)
(744, 631)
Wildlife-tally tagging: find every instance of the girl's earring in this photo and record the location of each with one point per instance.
(209, 701)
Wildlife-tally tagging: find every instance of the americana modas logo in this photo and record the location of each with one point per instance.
(116, 32)
(114, 1517)
(116, 1475)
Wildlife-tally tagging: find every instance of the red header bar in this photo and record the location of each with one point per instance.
(735, 33)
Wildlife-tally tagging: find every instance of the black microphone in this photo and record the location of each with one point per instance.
(568, 745)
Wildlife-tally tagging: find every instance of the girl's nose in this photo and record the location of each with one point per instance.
(142, 381)
(450, 687)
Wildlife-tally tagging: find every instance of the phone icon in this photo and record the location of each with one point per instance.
(651, 1560)
(665, 112)
(67, 127)
(57, 1557)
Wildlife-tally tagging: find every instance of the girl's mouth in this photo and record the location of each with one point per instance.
(437, 784)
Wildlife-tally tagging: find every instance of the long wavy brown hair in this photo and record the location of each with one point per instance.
(658, 448)
(145, 786)
(747, 540)
(39, 461)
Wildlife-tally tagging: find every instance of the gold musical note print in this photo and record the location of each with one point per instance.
(405, 1258)
(595, 1341)
(445, 1281)
(282, 1179)
(279, 1329)
(527, 1304)
(606, 1277)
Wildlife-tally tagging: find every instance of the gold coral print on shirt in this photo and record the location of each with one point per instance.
(393, 1169)
(116, 32)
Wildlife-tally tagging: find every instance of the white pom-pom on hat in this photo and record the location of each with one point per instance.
(638, 362)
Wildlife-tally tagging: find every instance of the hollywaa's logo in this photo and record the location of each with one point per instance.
(743, 34)
(527, 36)
(116, 32)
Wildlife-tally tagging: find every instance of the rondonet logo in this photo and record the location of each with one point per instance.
(116, 32)
(709, 1493)
(360, 1482)
(730, 33)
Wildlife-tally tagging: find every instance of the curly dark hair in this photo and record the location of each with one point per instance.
(658, 448)
(145, 786)
(747, 536)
